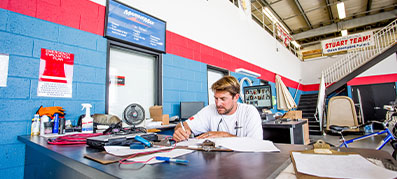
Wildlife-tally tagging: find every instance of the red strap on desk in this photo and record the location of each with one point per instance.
(72, 139)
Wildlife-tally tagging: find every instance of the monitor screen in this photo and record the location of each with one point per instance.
(260, 96)
(188, 109)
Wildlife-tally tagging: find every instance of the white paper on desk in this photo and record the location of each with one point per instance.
(125, 150)
(339, 166)
(171, 154)
(246, 144)
(190, 142)
(153, 125)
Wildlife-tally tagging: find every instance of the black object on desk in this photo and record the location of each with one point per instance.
(284, 131)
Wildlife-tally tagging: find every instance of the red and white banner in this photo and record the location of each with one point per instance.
(283, 35)
(56, 74)
(348, 42)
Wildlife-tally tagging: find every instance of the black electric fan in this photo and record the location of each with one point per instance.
(134, 114)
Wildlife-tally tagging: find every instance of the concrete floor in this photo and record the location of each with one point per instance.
(370, 143)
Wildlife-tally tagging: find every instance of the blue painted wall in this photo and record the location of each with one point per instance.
(183, 80)
(22, 37)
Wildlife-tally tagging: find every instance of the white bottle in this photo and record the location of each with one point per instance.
(43, 120)
(35, 129)
(87, 125)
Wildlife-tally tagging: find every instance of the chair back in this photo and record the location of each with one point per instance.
(341, 112)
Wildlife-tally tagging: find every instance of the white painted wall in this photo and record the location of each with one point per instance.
(220, 25)
(312, 68)
(386, 66)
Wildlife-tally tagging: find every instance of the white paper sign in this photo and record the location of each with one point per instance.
(3, 69)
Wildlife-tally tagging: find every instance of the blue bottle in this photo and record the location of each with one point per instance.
(56, 124)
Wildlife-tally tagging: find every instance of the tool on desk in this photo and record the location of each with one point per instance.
(144, 141)
(137, 145)
(168, 159)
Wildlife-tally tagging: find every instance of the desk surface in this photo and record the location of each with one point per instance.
(201, 164)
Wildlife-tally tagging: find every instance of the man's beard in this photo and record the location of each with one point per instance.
(227, 111)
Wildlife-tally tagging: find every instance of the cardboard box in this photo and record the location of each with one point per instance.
(165, 119)
(293, 115)
(156, 113)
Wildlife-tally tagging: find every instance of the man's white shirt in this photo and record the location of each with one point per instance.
(245, 122)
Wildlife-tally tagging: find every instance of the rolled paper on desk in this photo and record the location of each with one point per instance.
(167, 159)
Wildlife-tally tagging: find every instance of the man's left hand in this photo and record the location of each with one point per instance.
(215, 134)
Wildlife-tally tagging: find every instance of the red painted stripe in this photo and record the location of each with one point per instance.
(311, 87)
(80, 14)
(373, 79)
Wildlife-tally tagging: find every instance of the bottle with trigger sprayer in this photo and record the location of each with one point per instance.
(87, 125)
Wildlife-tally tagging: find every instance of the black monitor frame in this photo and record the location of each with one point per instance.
(186, 108)
(259, 94)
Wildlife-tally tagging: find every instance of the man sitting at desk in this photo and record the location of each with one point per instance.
(225, 118)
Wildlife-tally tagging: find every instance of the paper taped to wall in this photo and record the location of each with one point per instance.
(3, 69)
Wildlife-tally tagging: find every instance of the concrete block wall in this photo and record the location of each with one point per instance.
(22, 37)
(183, 80)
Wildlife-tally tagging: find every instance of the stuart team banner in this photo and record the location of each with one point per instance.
(347, 42)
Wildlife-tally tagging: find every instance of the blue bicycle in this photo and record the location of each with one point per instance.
(390, 128)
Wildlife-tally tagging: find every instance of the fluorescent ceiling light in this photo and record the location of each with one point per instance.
(341, 10)
(273, 18)
(247, 72)
(296, 44)
(344, 32)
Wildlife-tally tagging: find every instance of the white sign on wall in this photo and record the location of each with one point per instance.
(3, 69)
(348, 42)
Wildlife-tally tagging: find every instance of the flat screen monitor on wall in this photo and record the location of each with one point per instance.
(188, 109)
(260, 96)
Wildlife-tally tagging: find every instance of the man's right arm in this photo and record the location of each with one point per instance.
(180, 134)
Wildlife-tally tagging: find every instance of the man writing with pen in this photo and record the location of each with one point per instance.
(225, 118)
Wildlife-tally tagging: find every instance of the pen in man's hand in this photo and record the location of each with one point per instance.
(182, 126)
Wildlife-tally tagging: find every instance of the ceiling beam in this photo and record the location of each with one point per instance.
(369, 3)
(331, 16)
(348, 24)
(275, 14)
(303, 14)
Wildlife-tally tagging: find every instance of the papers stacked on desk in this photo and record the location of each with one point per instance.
(339, 166)
(246, 144)
(125, 150)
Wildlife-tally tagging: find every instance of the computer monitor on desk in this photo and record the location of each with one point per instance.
(188, 109)
(260, 96)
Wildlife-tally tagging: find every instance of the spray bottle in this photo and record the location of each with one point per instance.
(87, 125)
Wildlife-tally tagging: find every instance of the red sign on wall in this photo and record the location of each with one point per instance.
(56, 74)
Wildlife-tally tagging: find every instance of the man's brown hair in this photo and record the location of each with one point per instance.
(227, 83)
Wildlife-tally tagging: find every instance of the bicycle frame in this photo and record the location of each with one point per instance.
(380, 146)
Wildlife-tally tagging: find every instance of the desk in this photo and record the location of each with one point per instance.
(68, 162)
(285, 132)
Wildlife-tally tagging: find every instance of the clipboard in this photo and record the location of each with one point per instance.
(318, 147)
